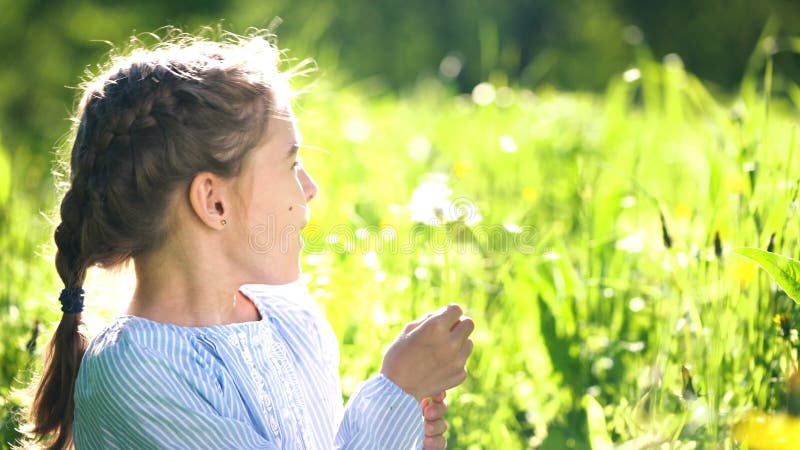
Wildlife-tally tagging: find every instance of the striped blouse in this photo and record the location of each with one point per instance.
(269, 384)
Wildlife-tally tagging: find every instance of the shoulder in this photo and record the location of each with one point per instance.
(139, 369)
(132, 355)
(127, 340)
(146, 385)
(119, 342)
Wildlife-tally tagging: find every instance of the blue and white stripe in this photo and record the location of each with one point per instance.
(270, 384)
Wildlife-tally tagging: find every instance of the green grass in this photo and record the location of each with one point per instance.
(585, 309)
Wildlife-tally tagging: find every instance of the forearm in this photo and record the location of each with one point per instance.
(380, 415)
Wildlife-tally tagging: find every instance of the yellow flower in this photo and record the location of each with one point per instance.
(735, 183)
(769, 432)
(460, 169)
(742, 272)
(682, 212)
(785, 324)
(529, 193)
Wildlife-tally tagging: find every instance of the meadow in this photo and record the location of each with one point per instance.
(590, 236)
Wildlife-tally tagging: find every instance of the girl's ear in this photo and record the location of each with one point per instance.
(208, 200)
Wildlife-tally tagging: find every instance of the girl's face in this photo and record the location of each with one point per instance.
(273, 192)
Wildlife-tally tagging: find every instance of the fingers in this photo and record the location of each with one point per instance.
(436, 398)
(431, 354)
(434, 443)
(435, 427)
(448, 316)
(466, 350)
(462, 329)
(434, 411)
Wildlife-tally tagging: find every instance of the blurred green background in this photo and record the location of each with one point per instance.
(581, 132)
(569, 44)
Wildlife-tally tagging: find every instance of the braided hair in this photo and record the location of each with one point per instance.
(144, 128)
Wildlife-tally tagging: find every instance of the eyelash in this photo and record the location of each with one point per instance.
(297, 164)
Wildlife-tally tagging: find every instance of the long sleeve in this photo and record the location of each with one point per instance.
(134, 398)
(271, 384)
(380, 415)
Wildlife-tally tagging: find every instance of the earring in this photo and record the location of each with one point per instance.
(223, 222)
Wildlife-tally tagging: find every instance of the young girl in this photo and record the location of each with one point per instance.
(185, 162)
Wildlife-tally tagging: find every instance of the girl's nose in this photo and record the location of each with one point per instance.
(309, 185)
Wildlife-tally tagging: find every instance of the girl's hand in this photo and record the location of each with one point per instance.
(430, 354)
(433, 409)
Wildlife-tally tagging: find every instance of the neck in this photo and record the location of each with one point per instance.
(194, 278)
(198, 288)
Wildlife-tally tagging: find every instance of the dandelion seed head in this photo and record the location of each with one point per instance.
(629, 201)
(632, 75)
(507, 144)
(683, 260)
(524, 389)
(636, 304)
(419, 148)
(551, 256)
(594, 390)
(633, 243)
(429, 200)
(379, 316)
(13, 312)
(431, 204)
(633, 347)
(371, 260)
(602, 365)
(483, 94)
(450, 66)
(402, 283)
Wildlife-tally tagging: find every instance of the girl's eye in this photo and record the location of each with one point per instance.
(297, 164)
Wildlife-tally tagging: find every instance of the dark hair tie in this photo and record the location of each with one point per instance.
(71, 300)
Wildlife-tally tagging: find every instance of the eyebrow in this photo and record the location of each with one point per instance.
(293, 150)
(295, 146)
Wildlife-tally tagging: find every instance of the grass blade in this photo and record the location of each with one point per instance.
(785, 271)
